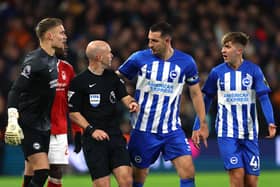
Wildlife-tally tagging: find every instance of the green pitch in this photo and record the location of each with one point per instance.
(203, 179)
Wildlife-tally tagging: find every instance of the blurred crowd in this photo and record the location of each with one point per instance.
(198, 28)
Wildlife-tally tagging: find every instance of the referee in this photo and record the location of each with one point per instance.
(93, 96)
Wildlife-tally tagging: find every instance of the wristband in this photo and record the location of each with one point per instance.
(13, 113)
(89, 130)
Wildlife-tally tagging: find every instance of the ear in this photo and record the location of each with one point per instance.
(49, 35)
(167, 39)
(240, 50)
(98, 57)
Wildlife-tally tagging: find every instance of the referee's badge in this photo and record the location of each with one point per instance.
(94, 99)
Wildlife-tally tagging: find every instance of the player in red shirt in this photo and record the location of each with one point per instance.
(58, 151)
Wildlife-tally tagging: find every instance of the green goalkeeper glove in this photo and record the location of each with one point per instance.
(13, 134)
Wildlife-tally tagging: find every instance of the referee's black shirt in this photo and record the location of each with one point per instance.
(33, 92)
(96, 97)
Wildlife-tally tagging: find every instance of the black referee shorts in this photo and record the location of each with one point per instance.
(35, 141)
(103, 156)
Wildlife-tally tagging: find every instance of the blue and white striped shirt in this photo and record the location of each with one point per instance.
(159, 87)
(236, 91)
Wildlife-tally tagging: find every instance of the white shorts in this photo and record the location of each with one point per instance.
(58, 150)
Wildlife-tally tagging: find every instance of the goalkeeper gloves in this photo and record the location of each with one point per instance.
(78, 142)
(13, 134)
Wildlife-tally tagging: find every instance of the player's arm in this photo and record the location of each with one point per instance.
(268, 113)
(14, 134)
(198, 103)
(207, 102)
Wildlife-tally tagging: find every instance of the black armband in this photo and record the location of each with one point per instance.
(89, 130)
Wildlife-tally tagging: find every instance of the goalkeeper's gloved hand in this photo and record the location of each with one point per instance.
(13, 134)
(78, 142)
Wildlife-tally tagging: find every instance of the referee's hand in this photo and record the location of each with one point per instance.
(100, 135)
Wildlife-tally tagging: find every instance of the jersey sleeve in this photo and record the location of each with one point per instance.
(121, 89)
(210, 86)
(74, 96)
(22, 83)
(260, 83)
(192, 72)
(129, 68)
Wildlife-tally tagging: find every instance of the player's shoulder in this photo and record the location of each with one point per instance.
(250, 64)
(178, 54)
(33, 56)
(36, 59)
(65, 65)
(220, 67)
(64, 62)
(145, 53)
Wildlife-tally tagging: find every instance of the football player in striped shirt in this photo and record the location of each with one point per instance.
(236, 83)
(162, 71)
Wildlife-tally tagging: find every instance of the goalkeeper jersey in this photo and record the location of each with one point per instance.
(159, 88)
(33, 92)
(236, 91)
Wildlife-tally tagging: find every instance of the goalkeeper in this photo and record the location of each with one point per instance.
(31, 98)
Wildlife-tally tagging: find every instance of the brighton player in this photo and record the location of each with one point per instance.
(237, 82)
(162, 72)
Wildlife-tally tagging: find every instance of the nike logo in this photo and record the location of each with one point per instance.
(50, 70)
(91, 85)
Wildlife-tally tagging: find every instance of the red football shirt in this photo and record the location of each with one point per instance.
(60, 105)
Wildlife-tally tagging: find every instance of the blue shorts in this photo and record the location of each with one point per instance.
(239, 153)
(144, 148)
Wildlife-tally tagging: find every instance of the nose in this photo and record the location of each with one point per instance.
(223, 50)
(150, 44)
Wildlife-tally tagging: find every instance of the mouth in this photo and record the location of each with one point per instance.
(224, 56)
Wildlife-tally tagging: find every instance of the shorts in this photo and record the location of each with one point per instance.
(144, 148)
(239, 153)
(103, 156)
(58, 151)
(35, 141)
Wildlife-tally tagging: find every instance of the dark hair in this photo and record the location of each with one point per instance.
(45, 24)
(236, 37)
(163, 27)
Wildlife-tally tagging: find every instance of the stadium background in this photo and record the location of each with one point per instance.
(198, 26)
